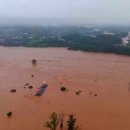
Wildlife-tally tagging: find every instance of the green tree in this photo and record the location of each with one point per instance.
(71, 122)
(61, 117)
(53, 123)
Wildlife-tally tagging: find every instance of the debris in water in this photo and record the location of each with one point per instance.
(26, 84)
(13, 90)
(63, 89)
(96, 80)
(90, 93)
(49, 60)
(78, 92)
(30, 87)
(34, 61)
(9, 114)
(95, 95)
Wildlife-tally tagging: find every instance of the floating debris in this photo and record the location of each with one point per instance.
(63, 89)
(67, 90)
(95, 95)
(78, 93)
(34, 61)
(9, 114)
(96, 80)
(30, 87)
(90, 93)
(13, 90)
(49, 60)
(26, 84)
(129, 87)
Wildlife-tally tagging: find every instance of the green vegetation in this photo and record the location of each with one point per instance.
(71, 122)
(56, 121)
(121, 34)
(53, 123)
(73, 38)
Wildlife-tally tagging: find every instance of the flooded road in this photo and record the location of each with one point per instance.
(106, 75)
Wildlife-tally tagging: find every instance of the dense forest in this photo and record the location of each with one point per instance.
(96, 39)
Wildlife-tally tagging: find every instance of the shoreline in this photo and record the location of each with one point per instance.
(67, 48)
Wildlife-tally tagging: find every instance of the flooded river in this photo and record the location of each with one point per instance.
(106, 75)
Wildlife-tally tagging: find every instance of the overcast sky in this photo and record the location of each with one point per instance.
(65, 11)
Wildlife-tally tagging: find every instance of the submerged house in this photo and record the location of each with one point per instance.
(41, 90)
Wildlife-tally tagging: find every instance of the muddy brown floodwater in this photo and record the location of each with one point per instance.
(104, 79)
